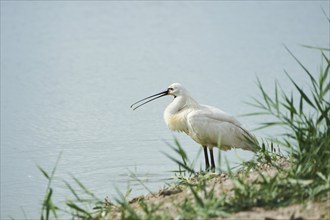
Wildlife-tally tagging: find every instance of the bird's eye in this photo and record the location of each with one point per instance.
(170, 89)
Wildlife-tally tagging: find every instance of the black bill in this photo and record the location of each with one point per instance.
(149, 99)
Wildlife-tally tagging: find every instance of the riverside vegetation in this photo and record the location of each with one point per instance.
(272, 180)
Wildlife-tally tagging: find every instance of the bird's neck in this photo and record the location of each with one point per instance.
(180, 103)
(176, 113)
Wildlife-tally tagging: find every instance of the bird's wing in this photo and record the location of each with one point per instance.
(213, 127)
(217, 114)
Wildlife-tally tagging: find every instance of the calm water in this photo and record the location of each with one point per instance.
(70, 70)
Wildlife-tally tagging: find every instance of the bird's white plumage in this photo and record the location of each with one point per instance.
(205, 124)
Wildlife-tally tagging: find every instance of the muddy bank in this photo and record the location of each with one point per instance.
(167, 203)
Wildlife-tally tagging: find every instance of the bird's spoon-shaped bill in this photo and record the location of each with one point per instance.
(151, 98)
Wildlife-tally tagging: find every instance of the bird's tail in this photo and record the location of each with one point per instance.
(250, 141)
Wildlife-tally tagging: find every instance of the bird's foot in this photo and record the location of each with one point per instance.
(210, 169)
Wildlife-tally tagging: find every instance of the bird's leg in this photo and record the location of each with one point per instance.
(207, 164)
(212, 160)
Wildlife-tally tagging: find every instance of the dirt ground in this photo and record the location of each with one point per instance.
(168, 198)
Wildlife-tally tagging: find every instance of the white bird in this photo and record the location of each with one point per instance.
(207, 125)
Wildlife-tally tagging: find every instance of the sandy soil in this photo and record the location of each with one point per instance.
(169, 198)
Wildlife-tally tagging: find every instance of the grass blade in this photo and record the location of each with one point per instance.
(305, 97)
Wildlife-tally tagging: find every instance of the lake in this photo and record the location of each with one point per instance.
(71, 70)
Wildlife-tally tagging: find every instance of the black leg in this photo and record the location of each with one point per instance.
(212, 160)
(207, 164)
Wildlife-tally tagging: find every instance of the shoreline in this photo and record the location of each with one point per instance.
(166, 203)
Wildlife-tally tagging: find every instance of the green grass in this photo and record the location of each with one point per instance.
(306, 122)
(48, 207)
(83, 204)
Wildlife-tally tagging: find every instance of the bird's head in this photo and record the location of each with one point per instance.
(175, 89)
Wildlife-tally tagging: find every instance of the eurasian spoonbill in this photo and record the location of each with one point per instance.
(207, 125)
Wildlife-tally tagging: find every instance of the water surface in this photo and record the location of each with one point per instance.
(70, 70)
